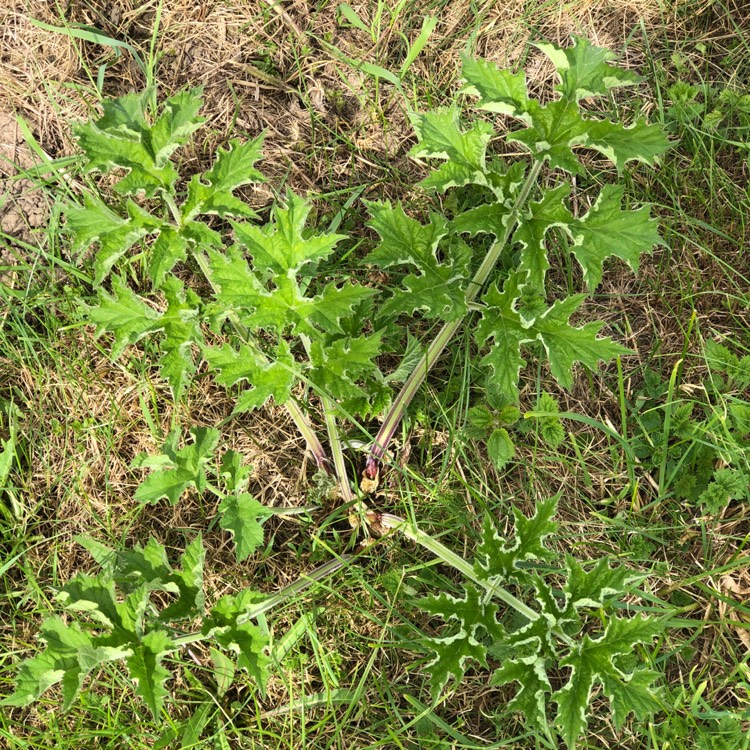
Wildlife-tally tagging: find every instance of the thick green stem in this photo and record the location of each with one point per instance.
(339, 464)
(410, 531)
(446, 333)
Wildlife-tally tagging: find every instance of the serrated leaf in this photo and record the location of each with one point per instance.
(211, 192)
(188, 468)
(122, 138)
(498, 90)
(283, 245)
(169, 248)
(96, 222)
(124, 314)
(339, 364)
(621, 144)
(727, 484)
(178, 121)
(239, 514)
(244, 639)
(440, 136)
(555, 128)
(500, 448)
(565, 344)
(501, 324)
(189, 582)
(499, 557)
(583, 69)
(438, 288)
(267, 379)
(237, 287)
(607, 230)
(335, 304)
(591, 588)
(593, 660)
(181, 325)
(146, 670)
(489, 218)
(69, 656)
(540, 217)
(531, 699)
(477, 619)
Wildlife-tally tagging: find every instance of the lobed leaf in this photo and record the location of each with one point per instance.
(583, 69)
(69, 656)
(266, 378)
(239, 514)
(540, 217)
(607, 230)
(501, 324)
(565, 344)
(242, 638)
(146, 670)
(284, 246)
(477, 619)
(187, 469)
(505, 558)
(440, 136)
(498, 90)
(597, 659)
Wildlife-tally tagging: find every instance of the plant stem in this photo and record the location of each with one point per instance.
(298, 417)
(410, 531)
(446, 333)
(337, 452)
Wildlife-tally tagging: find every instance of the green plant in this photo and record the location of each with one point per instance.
(291, 318)
(572, 633)
(699, 447)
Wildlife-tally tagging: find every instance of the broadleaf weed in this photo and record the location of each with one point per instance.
(276, 320)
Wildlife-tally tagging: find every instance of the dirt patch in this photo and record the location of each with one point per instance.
(23, 208)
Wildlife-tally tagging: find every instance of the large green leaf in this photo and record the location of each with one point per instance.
(338, 365)
(441, 137)
(146, 670)
(124, 314)
(69, 656)
(539, 218)
(476, 620)
(565, 344)
(583, 69)
(501, 325)
(555, 129)
(497, 556)
(122, 138)
(211, 192)
(602, 659)
(185, 468)
(266, 378)
(284, 246)
(498, 90)
(607, 230)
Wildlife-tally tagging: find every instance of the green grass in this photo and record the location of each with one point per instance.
(346, 674)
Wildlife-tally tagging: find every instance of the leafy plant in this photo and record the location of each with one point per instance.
(700, 447)
(571, 635)
(292, 318)
(119, 614)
